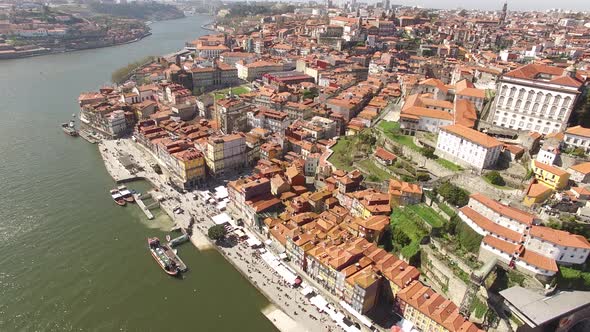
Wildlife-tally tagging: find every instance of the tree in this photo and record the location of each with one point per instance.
(400, 238)
(427, 152)
(453, 194)
(495, 178)
(216, 232)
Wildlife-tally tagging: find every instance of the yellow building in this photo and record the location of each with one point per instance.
(536, 193)
(551, 176)
(191, 167)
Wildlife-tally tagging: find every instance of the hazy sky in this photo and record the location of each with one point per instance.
(583, 5)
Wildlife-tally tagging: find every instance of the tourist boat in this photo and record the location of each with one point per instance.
(117, 197)
(126, 194)
(165, 257)
(70, 127)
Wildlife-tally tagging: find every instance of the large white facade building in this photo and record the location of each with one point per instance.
(468, 147)
(536, 97)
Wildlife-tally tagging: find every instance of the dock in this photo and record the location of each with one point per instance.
(179, 240)
(143, 207)
(88, 137)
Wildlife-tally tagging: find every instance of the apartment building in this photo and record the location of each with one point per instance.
(536, 97)
(468, 147)
(225, 153)
(275, 121)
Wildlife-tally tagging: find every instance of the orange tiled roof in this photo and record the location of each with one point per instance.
(489, 225)
(508, 211)
(559, 237)
(472, 135)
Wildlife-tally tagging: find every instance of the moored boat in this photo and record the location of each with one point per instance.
(118, 198)
(70, 127)
(126, 194)
(164, 256)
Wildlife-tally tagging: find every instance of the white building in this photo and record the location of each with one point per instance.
(536, 97)
(468, 147)
(578, 137)
(275, 121)
(515, 238)
(255, 70)
(117, 122)
(561, 246)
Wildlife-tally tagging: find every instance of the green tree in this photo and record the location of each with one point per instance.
(427, 152)
(495, 178)
(453, 194)
(400, 239)
(216, 232)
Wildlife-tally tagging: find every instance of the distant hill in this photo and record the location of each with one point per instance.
(151, 11)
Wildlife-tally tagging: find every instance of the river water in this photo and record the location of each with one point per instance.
(69, 258)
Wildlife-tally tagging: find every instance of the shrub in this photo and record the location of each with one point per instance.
(495, 178)
(421, 176)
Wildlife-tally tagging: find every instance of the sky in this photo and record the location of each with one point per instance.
(581, 5)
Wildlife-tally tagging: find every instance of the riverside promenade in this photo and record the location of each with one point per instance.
(289, 310)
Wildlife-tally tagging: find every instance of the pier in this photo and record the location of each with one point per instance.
(143, 207)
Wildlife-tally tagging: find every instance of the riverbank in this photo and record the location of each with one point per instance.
(24, 55)
(291, 311)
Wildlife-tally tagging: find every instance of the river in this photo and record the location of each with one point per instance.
(69, 258)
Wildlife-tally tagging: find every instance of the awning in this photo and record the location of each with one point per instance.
(319, 302)
(253, 242)
(306, 290)
(221, 219)
(356, 314)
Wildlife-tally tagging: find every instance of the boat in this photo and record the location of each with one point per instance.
(166, 257)
(126, 194)
(117, 197)
(70, 127)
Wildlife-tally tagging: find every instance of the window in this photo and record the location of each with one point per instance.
(527, 105)
(544, 109)
(561, 113)
(539, 97)
(535, 107)
(548, 99)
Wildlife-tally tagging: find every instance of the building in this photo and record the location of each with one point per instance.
(562, 246)
(255, 70)
(536, 97)
(429, 311)
(468, 147)
(578, 137)
(404, 193)
(563, 311)
(384, 157)
(551, 176)
(580, 173)
(189, 167)
(218, 76)
(516, 239)
(225, 153)
(275, 121)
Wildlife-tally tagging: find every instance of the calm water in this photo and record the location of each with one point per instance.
(69, 258)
